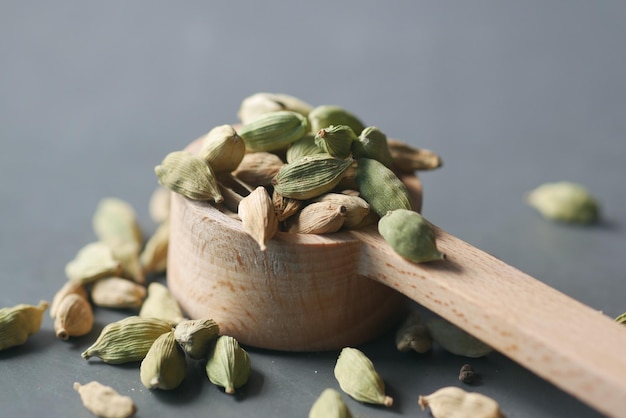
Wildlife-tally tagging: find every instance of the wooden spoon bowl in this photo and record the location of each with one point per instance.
(309, 292)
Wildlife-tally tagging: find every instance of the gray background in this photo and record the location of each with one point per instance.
(511, 94)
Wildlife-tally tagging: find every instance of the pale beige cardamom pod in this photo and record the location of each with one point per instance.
(92, 262)
(189, 175)
(455, 340)
(258, 168)
(258, 218)
(74, 317)
(104, 401)
(127, 340)
(258, 104)
(128, 256)
(228, 364)
(329, 404)
(284, 207)
(195, 336)
(164, 366)
(118, 293)
(454, 402)
(153, 258)
(413, 335)
(19, 322)
(317, 218)
(222, 148)
(69, 287)
(161, 303)
(356, 207)
(408, 159)
(159, 204)
(357, 377)
(115, 222)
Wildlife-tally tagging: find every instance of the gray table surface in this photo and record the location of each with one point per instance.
(511, 94)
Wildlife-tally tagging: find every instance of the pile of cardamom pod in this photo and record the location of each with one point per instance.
(296, 168)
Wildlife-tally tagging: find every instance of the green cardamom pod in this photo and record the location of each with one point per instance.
(274, 131)
(358, 378)
(453, 401)
(161, 303)
(455, 340)
(222, 149)
(303, 147)
(252, 107)
(327, 115)
(309, 177)
(127, 340)
(372, 143)
(330, 404)
(19, 322)
(189, 175)
(196, 335)
(380, 187)
(336, 140)
(413, 335)
(228, 364)
(621, 319)
(410, 235)
(115, 222)
(92, 262)
(164, 366)
(564, 201)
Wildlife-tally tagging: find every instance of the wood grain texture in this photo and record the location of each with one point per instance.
(578, 349)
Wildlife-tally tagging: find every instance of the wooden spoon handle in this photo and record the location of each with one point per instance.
(573, 346)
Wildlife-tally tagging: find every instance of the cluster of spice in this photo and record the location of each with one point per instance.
(302, 169)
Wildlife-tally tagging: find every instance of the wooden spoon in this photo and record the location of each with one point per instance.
(314, 292)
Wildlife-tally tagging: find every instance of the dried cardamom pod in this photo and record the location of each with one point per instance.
(159, 205)
(274, 131)
(408, 159)
(330, 404)
(261, 103)
(153, 258)
(222, 149)
(303, 147)
(310, 177)
(258, 168)
(228, 364)
(161, 303)
(413, 335)
(196, 335)
(564, 201)
(127, 340)
(117, 292)
(356, 208)
(621, 319)
(372, 143)
(449, 402)
(410, 235)
(455, 340)
(92, 262)
(284, 207)
(127, 255)
(115, 222)
(258, 218)
(70, 287)
(317, 218)
(19, 322)
(187, 174)
(327, 115)
(336, 140)
(380, 187)
(358, 378)
(104, 401)
(164, 366)
(74, 317)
